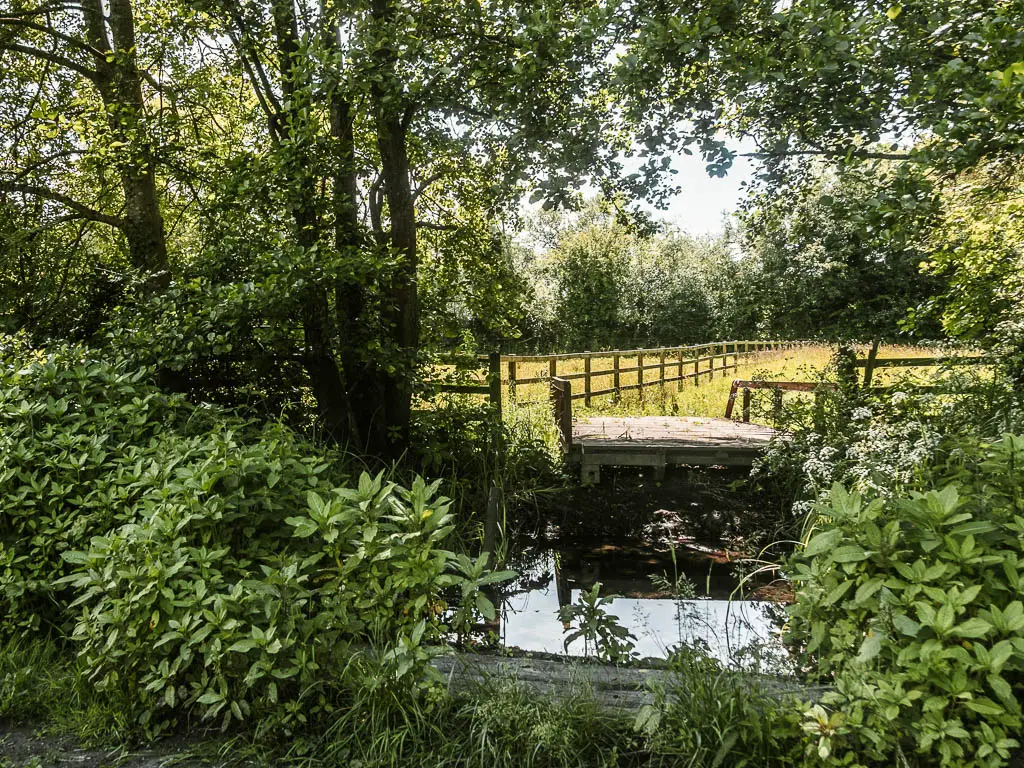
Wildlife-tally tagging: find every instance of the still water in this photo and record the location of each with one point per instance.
(741, 633)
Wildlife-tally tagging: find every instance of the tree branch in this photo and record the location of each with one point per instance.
(9, 21)
(422, 187)
(373, 201)
(53, 58)
(42, 163)
(84, 211)
(835, 154)
(438, 227)
(43, 10)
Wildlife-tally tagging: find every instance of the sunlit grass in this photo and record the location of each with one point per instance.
(706, 397)
(527, 406)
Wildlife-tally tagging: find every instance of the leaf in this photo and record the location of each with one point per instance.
(837, 593)
(486, 607)
(850, 554)
(894, 11)
(823, 542)
(495, 577)
(1002, 689)
(647, 720)
(972, 628)
(906, 625)
(870, 648)
(725, 748)
(984, 706)
(866, 590)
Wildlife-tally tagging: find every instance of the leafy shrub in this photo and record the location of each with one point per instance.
(80, 444)
(206, 566)
(911, 602)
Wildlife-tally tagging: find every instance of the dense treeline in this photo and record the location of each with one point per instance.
(810, 261)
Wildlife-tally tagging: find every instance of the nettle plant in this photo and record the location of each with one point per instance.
(911, 603)
(603, 636)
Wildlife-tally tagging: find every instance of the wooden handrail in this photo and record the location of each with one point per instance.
(778, 386)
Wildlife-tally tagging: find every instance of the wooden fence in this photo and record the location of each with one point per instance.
(623, 370)
(848, 375)
(489, 386)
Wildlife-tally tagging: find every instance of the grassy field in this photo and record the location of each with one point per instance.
(707, 397)
(527, 408)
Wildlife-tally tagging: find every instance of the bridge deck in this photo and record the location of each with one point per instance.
(657, 441)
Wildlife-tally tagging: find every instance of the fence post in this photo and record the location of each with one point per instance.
(494, 383)
(746, 405)
(561, 404)
(846, 367)
(869, 369)
(731, 402)
(661, 368)
(679, 384)
(640, 374)
(586, 379)
(696, 368)
(616, 380)
(776, 405)
(512, 380)
(552, 367)
(494, 397)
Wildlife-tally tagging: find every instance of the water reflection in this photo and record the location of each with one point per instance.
(737, 632)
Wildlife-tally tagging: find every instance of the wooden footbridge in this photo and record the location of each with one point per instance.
(660, 441)
(641, 441)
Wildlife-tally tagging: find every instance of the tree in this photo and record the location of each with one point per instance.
(375, 112)
(75, 53)
(834, 78)
(977, 248)
(822, 258)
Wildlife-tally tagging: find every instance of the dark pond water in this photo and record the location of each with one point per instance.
(738, 632)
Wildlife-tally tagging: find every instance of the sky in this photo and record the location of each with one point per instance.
(704, 202)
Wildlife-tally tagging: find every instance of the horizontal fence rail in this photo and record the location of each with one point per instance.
(777, 387)
(644, 368)
(869, 364)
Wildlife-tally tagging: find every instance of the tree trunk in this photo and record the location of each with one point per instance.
(120, 87)
(366, 395)
(391, 123)
(325, 376)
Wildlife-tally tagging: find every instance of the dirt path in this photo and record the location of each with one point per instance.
(26, 747)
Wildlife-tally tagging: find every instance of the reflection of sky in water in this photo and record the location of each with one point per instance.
(732, 630)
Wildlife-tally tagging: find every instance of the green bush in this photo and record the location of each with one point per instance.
(911, 603)
(206, 567)
(81, 443)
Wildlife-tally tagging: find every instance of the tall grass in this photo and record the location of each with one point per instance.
(41, 681)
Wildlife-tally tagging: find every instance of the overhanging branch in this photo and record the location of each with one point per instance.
(833, 154)
(84, 211)
(53, 58)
